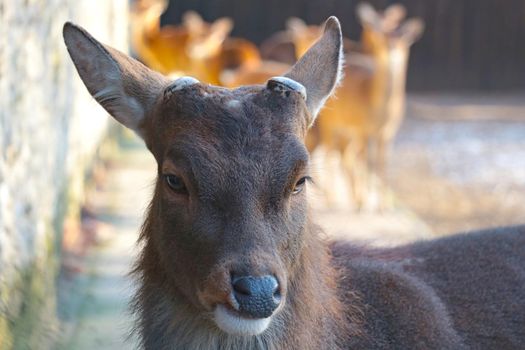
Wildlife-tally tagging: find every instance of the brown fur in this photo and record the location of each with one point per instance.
(242, 210)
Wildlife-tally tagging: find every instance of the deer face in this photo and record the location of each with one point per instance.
(229, 211)
(230, 196)
(385, 34)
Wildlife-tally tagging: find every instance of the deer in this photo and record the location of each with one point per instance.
(195, 47)
(366, 113)
(230, 256)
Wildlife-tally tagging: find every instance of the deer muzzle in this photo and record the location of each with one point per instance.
(257, 297)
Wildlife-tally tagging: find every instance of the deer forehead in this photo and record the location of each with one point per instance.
(216, 124)
(187, 99)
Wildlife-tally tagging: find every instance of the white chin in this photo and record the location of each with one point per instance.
(232, 323)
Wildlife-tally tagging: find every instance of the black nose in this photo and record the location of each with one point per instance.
(258, 297)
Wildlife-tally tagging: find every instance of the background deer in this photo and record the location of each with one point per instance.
(194, 48)
(361, 121)
(230, 257)
(197, 48)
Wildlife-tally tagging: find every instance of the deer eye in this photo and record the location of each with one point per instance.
(176, 184)
(299, 185)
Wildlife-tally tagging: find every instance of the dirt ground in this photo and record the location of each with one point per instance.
(459, 162)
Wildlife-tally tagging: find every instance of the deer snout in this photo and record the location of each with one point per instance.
(257, 296)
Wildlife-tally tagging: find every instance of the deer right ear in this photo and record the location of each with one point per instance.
(123, 86)
(392, 17)
(368, 16)
(412, 30)
(296, 25)
(320, 68)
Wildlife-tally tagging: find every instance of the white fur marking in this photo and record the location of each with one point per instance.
(126, 109)
(233, 104)
(291, 84)
(231, 323)
(341, 64)
(102, 94)
(135, 109)
(397, 58)
(181, 83)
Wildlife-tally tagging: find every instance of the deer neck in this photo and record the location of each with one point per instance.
(389, 79)
(320, 319)
(397, 63)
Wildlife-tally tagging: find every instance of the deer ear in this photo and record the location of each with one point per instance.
(412, 30)
(296, 25)
(193, 22)
(320, 68)
(392, 16)
(222, 27)
(123, 86)
(368, 16)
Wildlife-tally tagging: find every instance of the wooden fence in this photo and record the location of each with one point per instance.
(467, 45)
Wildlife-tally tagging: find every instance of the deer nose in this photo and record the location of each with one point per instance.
(258, 297)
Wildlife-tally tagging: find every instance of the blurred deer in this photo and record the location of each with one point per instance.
(194, 48)
(362, 120)
(279, 47)
(253, 75)
(275, 60)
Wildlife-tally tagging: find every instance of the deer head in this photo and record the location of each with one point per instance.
(226, 231)
(386, 33)
(205, 39)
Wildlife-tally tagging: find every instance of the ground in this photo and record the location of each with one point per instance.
(95, 295)
(458, 164)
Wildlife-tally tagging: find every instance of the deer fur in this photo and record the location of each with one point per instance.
(231, 196)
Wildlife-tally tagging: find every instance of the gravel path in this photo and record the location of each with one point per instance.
(459, 162)
(100, 294)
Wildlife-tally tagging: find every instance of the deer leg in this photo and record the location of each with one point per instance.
(354, 164)
(382, 152)
(349, 167)
(365, 171)
(383, 147)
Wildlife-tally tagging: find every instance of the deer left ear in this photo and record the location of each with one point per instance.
(320, 68)
(412, 30)
(124, 87)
